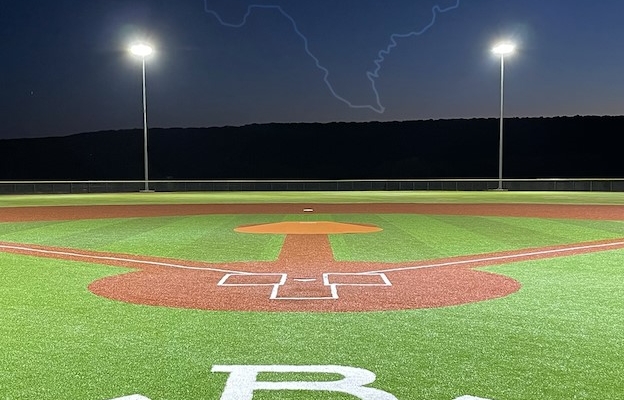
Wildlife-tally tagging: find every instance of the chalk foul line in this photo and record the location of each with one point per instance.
(71, 254)
(561, 251)
(492, 260)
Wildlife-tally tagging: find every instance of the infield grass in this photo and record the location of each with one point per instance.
(405, 237)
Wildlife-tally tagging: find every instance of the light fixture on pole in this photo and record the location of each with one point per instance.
(502, 50)
(143, 50)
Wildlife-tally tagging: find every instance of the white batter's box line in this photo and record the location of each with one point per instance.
(244, 276)
(383, 279)
(327, 281)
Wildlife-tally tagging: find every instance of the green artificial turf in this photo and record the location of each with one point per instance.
(208, 238)
(558, 338)
(211, 238)
(418, 237)
(315, 197)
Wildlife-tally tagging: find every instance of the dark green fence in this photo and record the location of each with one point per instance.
(32, 187)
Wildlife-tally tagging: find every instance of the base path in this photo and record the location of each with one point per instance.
(306, 276)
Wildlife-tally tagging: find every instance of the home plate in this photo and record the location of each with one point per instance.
(304, 279)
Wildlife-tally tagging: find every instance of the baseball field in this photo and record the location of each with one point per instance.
(312, 295)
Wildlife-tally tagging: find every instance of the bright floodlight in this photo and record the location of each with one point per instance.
(504, 48)
(141, 49)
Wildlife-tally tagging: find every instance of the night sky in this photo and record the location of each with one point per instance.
(65, 68)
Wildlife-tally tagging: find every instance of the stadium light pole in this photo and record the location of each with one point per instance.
(143, 50)
(502, 49)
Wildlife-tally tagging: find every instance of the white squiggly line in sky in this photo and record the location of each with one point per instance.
(381, 55)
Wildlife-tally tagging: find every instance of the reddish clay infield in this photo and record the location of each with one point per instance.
(306, 277)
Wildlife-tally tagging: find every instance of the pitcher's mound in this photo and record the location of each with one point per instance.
(308, 228)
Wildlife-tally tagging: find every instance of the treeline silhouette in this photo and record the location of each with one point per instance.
(461, 148)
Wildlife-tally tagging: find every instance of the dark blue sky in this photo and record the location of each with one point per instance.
(64, 66)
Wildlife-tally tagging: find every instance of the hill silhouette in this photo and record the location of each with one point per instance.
(463, 148)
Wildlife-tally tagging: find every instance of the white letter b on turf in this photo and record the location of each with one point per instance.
(242, 381)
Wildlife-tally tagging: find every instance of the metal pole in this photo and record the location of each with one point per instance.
(146, 166)
(500, 142)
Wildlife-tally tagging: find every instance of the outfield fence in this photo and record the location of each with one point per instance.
(554, 184)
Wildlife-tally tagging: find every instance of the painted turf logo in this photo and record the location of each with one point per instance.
(243, 382)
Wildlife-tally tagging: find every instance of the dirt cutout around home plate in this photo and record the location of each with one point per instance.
(306, 276)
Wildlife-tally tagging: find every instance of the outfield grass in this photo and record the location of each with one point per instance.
(316, 197)
(559, 337)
